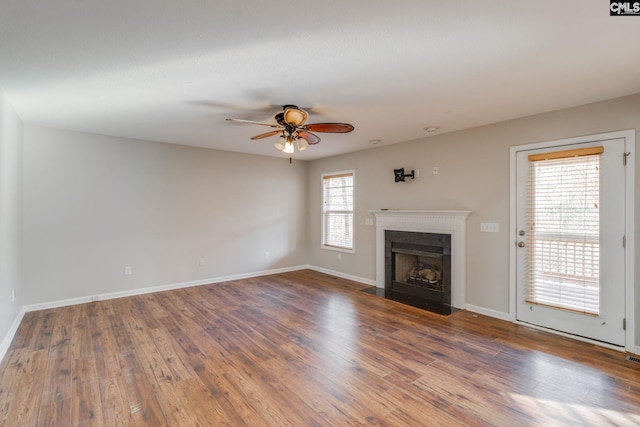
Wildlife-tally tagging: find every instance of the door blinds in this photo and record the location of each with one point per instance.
(563, 223)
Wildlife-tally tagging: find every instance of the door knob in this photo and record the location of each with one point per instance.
(521, 244)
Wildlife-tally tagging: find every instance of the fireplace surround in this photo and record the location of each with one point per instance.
(449, 222)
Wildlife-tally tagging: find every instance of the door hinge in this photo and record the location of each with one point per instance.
(624, 241)
(624, 324)
(624, 158)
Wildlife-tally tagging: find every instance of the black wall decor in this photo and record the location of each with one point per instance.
(400, 175)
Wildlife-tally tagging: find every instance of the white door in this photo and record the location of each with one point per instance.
(571, 265)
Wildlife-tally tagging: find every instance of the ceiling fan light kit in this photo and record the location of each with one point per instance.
(302, 144)
(291, 127)
(288, 148)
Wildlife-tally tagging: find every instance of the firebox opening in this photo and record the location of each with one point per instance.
(424, 270)
(419, 265)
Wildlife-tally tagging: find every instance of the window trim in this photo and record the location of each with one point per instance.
(323, 245)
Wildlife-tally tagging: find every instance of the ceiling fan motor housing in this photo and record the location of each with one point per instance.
(291, 127)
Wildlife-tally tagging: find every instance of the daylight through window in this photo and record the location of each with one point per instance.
(337, 211)
(564, 224)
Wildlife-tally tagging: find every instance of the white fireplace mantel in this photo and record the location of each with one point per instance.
(453, 222)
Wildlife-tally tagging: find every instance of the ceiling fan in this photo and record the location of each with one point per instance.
(292, 128)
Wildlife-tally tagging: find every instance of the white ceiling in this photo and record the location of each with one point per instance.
(172, 71)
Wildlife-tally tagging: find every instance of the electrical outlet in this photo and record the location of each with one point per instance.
(416, 173)
(266, 254)
(128, 270)
(13, 295)
(435, 170)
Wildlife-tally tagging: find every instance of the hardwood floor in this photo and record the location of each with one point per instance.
(301, 349)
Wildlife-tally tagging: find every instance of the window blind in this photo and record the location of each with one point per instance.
(338, 210)
(563, 219)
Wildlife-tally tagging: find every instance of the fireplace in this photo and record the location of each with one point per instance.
(445, 253)
(419, 264)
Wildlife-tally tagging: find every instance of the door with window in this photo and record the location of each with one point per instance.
(570, 228)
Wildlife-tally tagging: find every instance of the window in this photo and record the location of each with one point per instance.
(564, 209)
(337, 211)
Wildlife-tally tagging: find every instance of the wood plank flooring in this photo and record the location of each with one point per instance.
(301, 349)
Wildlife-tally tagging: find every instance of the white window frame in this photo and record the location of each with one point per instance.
(323, 245)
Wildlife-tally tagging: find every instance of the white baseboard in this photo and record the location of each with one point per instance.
(6, 342)
(488, 312)
(151, 289)
(369, 282)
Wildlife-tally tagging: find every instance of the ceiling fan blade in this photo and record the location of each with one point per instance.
(255, 123)
(266, 134)
(329, 127)
(295, 116)
(309, 137)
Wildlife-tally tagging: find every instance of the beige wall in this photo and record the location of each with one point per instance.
(473, 174)
(10, 217)
(95, 204)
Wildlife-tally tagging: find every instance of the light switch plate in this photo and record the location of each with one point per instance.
(489, 227)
